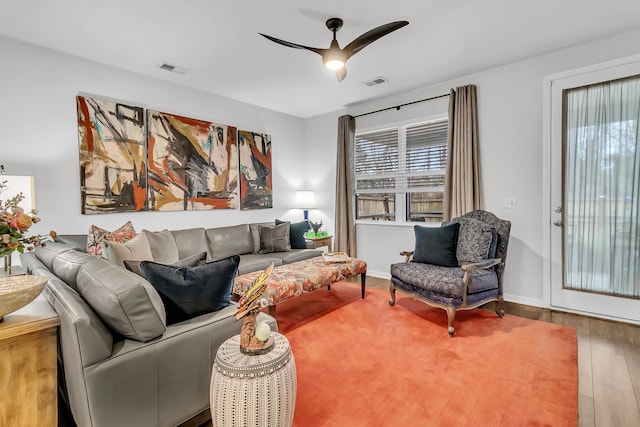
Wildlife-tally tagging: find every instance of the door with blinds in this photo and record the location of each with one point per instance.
(399, 172)
(595, 192)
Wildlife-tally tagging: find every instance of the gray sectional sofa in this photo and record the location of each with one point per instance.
(120, 364)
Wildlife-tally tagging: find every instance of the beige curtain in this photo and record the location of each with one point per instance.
(462, 181)
(345, 232)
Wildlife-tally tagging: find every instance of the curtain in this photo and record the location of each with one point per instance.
(345, 232)
(602, 188)
(462, 180)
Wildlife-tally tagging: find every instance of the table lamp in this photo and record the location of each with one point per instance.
(305, 200)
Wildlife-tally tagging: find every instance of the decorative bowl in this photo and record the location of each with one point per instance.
(18, 291)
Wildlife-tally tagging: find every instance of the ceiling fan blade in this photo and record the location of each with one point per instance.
(293, 45)
(341, 74)
(370, 36)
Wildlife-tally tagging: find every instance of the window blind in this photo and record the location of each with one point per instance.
(402, 160)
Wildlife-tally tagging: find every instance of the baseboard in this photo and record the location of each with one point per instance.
(534, 302)
(379, 274)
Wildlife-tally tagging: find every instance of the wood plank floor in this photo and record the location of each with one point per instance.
(608, 363)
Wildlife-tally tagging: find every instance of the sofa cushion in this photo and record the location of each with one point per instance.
(474, 240)
(134, 249)
(127, 303)
(254, 262)
(296, 255)
(67, 264)
(47, 252)
(188, 292)
(436, 245)
(163, 246)
(274, 238)
(228, 241)
(97, 235)
(296, 233)
(190, 261)
(190, 242)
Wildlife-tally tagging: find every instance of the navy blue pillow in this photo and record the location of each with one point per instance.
(296, 233)
(188, 292)
(436, 245)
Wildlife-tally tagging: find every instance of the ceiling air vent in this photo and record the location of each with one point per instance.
(173, 68)
(376, 81)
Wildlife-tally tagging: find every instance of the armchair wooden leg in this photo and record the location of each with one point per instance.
(451, 316)
(499, 310)
(392, 291)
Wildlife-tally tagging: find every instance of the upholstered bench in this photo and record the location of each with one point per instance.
(292, 280)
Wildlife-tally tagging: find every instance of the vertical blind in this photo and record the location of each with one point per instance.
(406, 159)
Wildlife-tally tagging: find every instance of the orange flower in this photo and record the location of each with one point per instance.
(21, 221)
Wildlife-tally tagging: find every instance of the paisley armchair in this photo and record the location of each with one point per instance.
(458, 266)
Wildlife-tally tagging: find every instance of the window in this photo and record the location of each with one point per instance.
(399, 172)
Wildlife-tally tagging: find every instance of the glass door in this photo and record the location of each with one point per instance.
(595, 193)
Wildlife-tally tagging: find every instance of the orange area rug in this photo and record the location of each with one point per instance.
(364, 363)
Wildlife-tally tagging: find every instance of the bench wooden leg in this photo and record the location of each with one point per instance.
(363, 281)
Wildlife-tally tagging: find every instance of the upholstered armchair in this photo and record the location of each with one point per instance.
(458, 266)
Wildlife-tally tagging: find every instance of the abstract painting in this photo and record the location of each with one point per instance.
(192, 164)
(112, 156)
(255, 170)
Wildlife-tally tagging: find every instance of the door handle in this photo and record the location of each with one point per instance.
(558, 223)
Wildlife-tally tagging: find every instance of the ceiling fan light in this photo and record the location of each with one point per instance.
(334, 64)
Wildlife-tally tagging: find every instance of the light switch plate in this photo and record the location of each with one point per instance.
(509, 203)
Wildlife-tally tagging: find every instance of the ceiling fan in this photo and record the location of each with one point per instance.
(334, 58)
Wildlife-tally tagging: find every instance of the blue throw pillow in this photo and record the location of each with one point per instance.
(436, 245)
(188, 292)
(296, 233)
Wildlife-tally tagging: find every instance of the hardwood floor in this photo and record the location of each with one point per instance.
(608, 363)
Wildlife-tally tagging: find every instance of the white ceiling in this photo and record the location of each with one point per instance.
(218, 41)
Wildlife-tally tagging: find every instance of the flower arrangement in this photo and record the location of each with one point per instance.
(14, 223)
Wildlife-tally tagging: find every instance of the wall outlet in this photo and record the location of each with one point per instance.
(509, 203)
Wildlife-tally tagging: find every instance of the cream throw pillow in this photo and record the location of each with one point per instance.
(136, 249)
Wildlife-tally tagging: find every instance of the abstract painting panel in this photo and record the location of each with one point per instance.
(255, 170)
(192, 164)
(112, 156)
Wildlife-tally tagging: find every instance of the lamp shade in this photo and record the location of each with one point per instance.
(20, 184)
(305, 199)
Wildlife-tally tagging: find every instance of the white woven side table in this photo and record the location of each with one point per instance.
(253, 390)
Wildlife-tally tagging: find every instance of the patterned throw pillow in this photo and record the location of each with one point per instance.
(476, 241)
(97, 235)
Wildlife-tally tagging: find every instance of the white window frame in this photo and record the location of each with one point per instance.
(401, 198)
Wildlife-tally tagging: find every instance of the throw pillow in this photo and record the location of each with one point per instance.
(188, 292)
(296, 233)
(128, 304)
(192, 261)
(136, 248)
(475, 240)
(97, 235)
(436, 245)
(163, 246)
(274, 239)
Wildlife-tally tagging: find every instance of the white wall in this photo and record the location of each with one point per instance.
(39, 136)
(511, 148)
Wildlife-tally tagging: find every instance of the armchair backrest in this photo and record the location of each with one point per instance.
(503, 229)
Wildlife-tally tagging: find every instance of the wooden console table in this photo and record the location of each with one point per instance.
(28, 382)
(319, 242)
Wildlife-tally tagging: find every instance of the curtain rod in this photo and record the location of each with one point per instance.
(397, 107)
